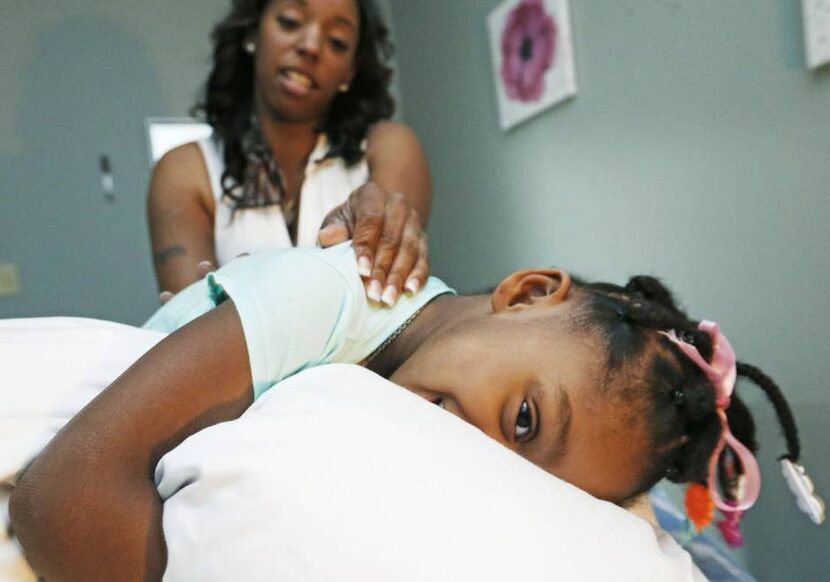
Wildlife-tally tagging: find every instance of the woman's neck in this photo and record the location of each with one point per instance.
(291, 143)
(441, 313)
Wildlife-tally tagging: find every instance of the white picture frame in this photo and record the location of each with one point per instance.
(816, 32)
(533, 57)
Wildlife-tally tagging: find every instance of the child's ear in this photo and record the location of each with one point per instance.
(529, 287)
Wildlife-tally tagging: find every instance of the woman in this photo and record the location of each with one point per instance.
(297, 98)
(609, 388)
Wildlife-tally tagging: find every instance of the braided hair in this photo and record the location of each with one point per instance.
(678, 402)
(227, 103)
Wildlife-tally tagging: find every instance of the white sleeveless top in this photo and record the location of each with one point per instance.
(327, 185)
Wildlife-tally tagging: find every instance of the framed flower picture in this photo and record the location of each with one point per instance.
(532, 57)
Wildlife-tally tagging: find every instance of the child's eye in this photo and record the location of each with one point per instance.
(524, 421)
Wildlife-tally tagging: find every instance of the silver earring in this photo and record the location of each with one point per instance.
(250, 47)
(343, 88)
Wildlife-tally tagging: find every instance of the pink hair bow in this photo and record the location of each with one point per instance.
(722, 373)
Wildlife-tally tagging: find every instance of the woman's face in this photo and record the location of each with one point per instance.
(528, 380)
(305, 53)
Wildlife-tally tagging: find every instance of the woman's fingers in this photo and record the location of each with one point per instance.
(389, 245)
(368, 206)
(418, 276)
(203, 268)
(337, 225)
(388, 241)
(332, 234)
(407, 257)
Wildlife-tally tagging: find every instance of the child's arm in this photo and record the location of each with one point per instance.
(87, 507)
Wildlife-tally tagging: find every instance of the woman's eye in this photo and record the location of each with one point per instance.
(339, 45)
(288, 22)
(524, 421)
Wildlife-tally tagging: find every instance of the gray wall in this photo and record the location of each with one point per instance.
(79, 78)
(698, 149)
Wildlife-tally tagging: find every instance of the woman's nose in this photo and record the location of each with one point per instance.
(309, 42)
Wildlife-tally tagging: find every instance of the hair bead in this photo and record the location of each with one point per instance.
(699, 505)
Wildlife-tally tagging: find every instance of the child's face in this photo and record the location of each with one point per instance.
(528, 380)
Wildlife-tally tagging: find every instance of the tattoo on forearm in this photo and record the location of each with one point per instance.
(162, 256)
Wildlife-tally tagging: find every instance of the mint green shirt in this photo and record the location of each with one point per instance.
(299, 307)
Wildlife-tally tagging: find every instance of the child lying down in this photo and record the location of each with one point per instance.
(338, 474)
(609, 388)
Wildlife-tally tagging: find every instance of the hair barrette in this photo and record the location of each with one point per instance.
(722, 373)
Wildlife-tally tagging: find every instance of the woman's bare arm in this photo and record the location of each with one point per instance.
(180, 211)
(87, 507)
(397, 163)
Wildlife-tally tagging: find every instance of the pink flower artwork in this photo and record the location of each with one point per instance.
(533, 57)
(528, 47)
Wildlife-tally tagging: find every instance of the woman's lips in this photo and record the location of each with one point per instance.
(296, 82)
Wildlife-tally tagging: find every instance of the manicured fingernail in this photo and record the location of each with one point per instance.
(364, 266)
(373, 292)
(165, 296)
(412, 285)
(390, 295)
(324, 232)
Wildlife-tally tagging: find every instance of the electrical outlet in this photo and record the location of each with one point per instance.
(817, 32)
(9, 279)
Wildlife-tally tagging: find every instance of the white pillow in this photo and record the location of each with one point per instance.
(337, 474)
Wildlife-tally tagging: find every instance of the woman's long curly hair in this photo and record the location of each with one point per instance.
(227, 101)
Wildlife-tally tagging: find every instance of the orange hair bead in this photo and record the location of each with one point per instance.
(699, 505)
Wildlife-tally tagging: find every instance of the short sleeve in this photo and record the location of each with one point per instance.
(184, 307)
(294, 307)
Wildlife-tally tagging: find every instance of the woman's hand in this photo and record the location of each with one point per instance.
(202, 270)
(388, 239)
